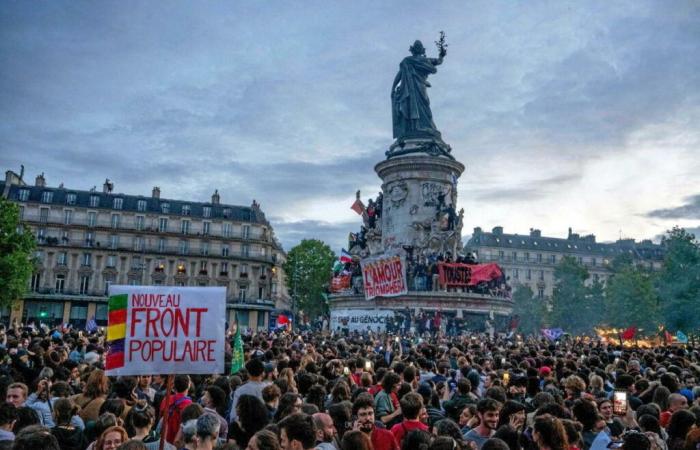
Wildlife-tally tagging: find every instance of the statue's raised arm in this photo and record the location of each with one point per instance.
(411, 114)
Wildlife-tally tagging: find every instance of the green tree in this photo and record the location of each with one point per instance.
(16, 248)
(678, 282)
(575, 308)
(529, 309)
(630, 297)
(308, 272)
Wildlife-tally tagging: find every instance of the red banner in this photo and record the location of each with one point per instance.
(454, 274)
(384, 276)
(341, 283)
(467, 274)
(484, 272)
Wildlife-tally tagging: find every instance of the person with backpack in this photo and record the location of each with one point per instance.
(178, 402)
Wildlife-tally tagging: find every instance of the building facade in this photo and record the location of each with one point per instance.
(88, 240)
(531, 259)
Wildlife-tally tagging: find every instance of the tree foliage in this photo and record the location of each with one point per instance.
(16, 248)
(308, 271)
(575, 307)
(630, 297)
(678, 282)
(530, 310)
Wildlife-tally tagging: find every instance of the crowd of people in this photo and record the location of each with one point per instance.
(422, 273)
(369, 391)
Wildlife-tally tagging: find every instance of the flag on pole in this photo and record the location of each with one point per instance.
(283, 321)
(668, 337)
(552, 333)
(345, 257)
(91, 325)
(681, 337)
(358, 207)
(629, 333)
(238, 360)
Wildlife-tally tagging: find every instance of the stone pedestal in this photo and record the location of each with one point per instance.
(419, 203)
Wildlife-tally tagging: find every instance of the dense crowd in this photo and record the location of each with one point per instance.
(422, 274)
(369, 391)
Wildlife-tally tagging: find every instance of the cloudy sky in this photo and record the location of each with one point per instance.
(581, 114)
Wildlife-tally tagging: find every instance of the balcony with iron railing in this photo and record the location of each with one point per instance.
(173, 229)
(150, 249)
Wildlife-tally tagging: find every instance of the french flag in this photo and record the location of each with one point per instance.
(345, 257)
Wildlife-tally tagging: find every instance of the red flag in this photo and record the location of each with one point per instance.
(358, 207)
(668, 337)
(629, 333)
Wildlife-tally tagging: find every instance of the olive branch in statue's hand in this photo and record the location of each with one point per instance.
(441, 45)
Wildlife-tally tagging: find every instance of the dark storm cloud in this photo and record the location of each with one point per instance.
(690, 210)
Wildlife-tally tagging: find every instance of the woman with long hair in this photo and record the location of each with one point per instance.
(93, 396)
(68, 436)
(660, 397)
(679, 426)
(549, 434)
(287, 374)
(251, 417)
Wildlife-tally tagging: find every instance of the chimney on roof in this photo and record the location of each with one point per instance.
(215, 198)
(107, 187)
(477, 230)
(569, 236)
(497, 231)
(155, 193)
(21, 173)
(40, 180)
(535, 232)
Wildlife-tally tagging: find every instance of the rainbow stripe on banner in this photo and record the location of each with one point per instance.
(116, 330)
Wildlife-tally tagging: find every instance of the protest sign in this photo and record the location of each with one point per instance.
(384, 276)
(360, 319)
(456, 274)
(166, 330)
(340, 283)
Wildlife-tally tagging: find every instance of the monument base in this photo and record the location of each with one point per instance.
(470, 311)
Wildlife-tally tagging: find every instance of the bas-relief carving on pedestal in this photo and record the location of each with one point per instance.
(398, 194)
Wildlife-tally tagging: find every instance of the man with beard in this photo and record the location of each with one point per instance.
(325, 431)
(363, 410)
(487, 410)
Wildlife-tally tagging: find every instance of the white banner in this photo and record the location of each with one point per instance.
(384, 276)
(166, 330)
(360, 319)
